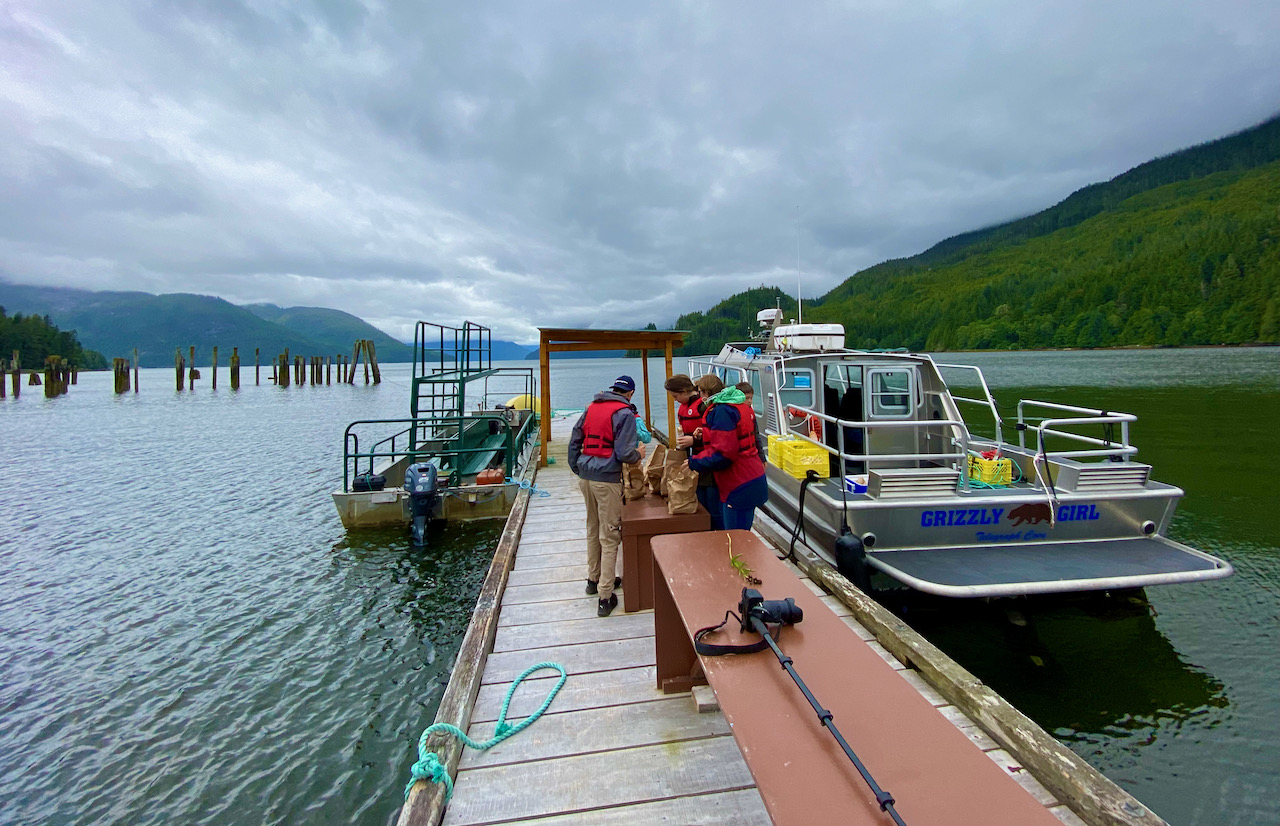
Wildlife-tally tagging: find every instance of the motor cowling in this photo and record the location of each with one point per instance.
(421, 482)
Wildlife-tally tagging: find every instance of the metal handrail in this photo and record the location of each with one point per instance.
(990, 401)
(962, 457)
(351, 459)
(1090, 417)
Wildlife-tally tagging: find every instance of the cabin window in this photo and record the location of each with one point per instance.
(891, 392)
(729, 375)
(757, 397)
(797, 388)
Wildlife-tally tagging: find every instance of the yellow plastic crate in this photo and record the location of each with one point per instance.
(798, 457)
(773, 450)
(991, 471)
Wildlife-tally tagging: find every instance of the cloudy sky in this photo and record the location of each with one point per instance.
(552, 164)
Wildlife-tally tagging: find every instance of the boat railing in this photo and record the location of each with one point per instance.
(987, 401)
(408, 441)
(1107, 446)
(961, 456)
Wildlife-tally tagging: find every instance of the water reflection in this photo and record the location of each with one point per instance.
(1077, 666)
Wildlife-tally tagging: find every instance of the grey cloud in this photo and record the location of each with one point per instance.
(576, 164)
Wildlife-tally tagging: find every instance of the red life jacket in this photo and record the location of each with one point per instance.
(746, 431)
(597, 428)
(691, 415)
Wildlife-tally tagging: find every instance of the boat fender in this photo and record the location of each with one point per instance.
(851, 560)
(365, 482)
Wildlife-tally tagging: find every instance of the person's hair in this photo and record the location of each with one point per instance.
(710, 384)
(746, 388)
(679, 383)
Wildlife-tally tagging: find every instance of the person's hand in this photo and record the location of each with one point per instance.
(683, 441)
(697, 433)
(685, 466)
(641, 449)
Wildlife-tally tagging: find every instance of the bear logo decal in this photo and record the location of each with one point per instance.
(1033, 513)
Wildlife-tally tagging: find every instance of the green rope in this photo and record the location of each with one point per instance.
(429, 766)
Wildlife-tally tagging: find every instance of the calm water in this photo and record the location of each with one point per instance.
(188, 636)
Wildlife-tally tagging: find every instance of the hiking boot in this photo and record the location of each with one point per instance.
(594, 587)
(607, 605)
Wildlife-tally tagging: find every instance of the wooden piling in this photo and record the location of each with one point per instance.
(179, 367)
(355, 359)
(257, 371)
(4, 388)
(373, 361)
(215, 367)
(75, 374)
(284, 368)
(16, 366)
(136, 383)
(191, 374)
(235, 368)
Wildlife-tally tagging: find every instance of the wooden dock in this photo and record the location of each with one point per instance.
(612, 748)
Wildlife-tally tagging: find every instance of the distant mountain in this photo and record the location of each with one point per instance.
(321, 324)
(510, 351)
(113, 323)
(35, 339)
(1181, 250)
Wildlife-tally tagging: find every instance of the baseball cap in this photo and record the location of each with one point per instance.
(624, 384)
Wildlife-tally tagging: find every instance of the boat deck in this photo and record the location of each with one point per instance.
(613, 749)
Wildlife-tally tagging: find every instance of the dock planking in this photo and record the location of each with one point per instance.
(612, 749)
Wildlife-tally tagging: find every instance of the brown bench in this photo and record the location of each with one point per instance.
(643, 519)
(936, 775)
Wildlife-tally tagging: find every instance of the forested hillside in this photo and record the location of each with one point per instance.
(1184, 250)
(35, 338)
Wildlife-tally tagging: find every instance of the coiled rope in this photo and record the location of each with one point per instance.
(429, 766)
(525, 484)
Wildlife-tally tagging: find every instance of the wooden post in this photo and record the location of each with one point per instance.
(135, 370)
(671, 405)
(284, 368)
(355, 359)
(373, 361)
(299, 377)
(328, 371)
(235, 368)
(50, 379)
(215, 367)
(365, 345)
(75, 374)
(644, 373)
(191, 371)
(257, 370)
(544, 389)
(274, 379)
(16, 366)
(4, 388)
(178, 366)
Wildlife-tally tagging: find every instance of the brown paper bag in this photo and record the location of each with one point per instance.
(682, 488)
(674, 458)
(653, 468)
(634, 485)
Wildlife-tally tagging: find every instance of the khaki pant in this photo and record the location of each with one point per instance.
(604, 531)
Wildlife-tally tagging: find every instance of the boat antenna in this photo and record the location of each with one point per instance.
(799, 305)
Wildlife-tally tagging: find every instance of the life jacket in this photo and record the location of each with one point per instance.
(691, 415)
(597, 428)
(746, 431)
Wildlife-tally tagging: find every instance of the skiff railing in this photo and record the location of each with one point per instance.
(962, 441)
(988, 401)
(1106, 446)
(420, 430)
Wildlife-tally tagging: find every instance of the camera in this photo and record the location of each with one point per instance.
(770, 611)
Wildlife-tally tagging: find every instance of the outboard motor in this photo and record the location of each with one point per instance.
(420, 482)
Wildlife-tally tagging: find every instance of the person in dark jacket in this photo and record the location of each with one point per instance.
(603, 440)
(729, 438)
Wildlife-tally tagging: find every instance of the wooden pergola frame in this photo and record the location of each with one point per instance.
(554, 340)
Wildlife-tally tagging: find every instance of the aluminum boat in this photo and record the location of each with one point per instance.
(903, 487)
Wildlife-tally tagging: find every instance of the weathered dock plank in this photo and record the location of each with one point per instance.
(577, 659)
(581, 691)
(529, 613)
(568, 733)
(571, 632)
(588, 782)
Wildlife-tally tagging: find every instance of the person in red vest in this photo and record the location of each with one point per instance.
(694, 399)
(729, 452)
(603, 440)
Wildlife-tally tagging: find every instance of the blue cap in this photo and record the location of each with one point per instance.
(624, 384)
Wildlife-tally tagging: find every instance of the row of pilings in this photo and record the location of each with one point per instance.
(59, 373)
